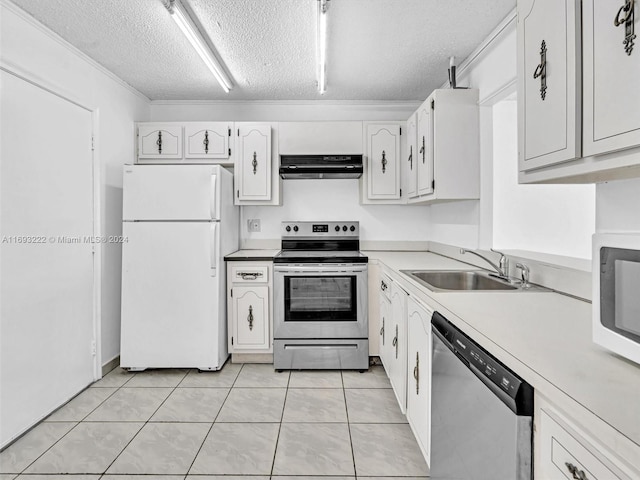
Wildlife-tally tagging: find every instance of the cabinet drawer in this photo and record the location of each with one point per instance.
(565, 454)
(385, 286)
(250, 274)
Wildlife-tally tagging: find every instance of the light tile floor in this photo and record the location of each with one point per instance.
(245, 422)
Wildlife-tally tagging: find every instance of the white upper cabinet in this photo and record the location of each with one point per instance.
(208, 140)
(159, 141)
(256, 167)
(611, 75)
(548, 82)
(382, 170)
(411, 165)
(447, 156)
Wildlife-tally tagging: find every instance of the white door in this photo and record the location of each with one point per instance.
(412, 156)
(419, 374)
(251, 317)
(47, 197)
(548, 82)
(398, 335)
(170, 295)
(425, 148)
(207, 140)
(253, 162)
(383, 164)
(171, 192)
(159, 141)
(385, 334)
(611, 76)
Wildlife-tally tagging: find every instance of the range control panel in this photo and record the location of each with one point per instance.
(348, 229)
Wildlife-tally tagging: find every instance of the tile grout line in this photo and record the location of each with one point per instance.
(353, 453)
(284, 405)
(144, 424)
(214, 420)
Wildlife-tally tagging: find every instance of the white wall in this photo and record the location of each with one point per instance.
(556, 219)
(617, 206)
(38, 54)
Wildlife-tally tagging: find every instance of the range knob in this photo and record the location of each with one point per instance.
(344, 228)
(337, 228)
(353, 229)
(288, 229)
(295, 228)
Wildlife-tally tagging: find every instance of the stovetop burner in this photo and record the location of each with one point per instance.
(320, 242)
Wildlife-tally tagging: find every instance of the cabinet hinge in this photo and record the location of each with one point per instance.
(238, 193)
(229, 130)
(92, 143)
(238, 132)
(231, 340)
(433, 104)
(433, 184)
(400, 192)
(229, 152)
(93, 348)
(400, 130)
(231, 292)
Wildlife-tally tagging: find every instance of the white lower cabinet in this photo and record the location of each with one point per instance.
(397, 332)
(249, 307)
(565, 451)
(384, 341)
(419, 374)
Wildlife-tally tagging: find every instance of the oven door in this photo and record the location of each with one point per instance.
(320, 301)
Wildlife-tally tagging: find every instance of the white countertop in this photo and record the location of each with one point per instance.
(256, 255)
(545, 337)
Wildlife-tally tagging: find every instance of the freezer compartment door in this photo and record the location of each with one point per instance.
(171, 192)
(173, 302)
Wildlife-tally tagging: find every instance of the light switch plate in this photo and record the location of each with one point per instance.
(253, 225)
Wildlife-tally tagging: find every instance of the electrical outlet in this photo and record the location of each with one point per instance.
(254, 225)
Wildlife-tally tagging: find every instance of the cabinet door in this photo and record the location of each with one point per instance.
(398, 353)
(383, 161)
(207, 140)
(419, 374)
(425, 148)
(611, 76)
(251, 317)
(549, 106)
(412, 156)
(385, 331)
(253, 162)
(159, 141)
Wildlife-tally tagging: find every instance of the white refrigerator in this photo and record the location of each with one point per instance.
(179, 222)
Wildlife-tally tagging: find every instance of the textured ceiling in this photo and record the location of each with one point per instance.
(377, 49)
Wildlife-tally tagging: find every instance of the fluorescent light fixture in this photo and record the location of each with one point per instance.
(322, 45)
(181, 16)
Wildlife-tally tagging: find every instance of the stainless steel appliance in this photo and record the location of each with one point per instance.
(320, 166)
(320, 296)
(481, 412)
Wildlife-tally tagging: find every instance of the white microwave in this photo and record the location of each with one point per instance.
(616, 293)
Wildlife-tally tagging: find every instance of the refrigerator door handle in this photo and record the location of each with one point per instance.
(212, 197)
(212, 253)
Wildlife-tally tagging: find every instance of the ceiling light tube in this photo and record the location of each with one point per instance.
(322, 45)
(191, 31)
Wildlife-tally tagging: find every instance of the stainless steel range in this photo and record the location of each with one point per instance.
(320, 296)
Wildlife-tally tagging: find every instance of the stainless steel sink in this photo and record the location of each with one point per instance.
(459, 280)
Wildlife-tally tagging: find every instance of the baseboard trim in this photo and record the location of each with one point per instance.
(110, 365)
(252, 358)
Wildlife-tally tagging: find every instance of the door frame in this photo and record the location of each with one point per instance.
(39, 82)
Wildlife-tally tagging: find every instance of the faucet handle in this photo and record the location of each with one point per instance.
(503, 262)
(524, 274)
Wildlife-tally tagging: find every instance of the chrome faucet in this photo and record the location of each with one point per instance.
(524, 275)
(503, 264)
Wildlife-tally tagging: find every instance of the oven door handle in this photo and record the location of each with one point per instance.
(318, 270)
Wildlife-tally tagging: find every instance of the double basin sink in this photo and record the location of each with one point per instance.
(443, 281)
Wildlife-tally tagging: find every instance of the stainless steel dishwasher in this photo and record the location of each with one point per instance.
(481, 412)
